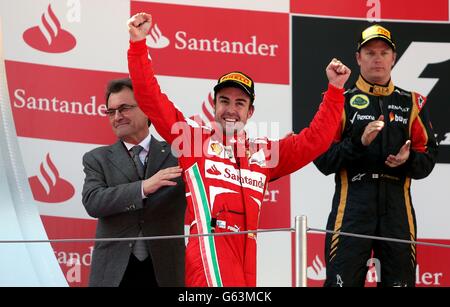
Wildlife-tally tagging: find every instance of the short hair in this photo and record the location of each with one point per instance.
(115, 86)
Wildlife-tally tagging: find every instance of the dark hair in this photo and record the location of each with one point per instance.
(115, 86)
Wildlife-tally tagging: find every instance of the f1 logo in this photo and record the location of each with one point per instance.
(413, 62)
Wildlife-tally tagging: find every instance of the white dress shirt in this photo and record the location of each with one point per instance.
(143, 155)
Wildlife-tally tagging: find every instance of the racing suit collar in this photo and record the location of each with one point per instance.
(238, 140)
(239, 137)
(374, 89)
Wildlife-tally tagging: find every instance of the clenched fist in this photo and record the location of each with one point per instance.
(337, 73)
(139, 25)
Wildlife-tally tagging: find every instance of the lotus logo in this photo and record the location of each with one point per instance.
(49, 36)
(156, 39)
(48, 187)
(359, 101)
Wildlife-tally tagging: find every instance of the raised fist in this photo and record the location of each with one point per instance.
(139, 25)
(337, 73)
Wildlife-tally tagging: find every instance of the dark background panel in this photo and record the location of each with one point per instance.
(316, 41)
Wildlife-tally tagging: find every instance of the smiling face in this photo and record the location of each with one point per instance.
(232, 109)
(375, 60)
(128, 121)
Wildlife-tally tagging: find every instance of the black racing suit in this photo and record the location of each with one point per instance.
(372, 198)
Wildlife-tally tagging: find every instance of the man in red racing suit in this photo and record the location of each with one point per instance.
(226, 174)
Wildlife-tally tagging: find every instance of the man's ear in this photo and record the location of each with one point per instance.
(358, 57)
(251, 109)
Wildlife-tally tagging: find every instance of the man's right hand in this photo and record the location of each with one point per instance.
(371, 131)
(139, 25)
(161, 179)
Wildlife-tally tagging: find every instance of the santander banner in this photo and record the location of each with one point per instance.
(66, 104)
(202, 42)
(74, 258)
(276, 209)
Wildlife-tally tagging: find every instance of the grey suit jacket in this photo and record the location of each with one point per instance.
(112, 193)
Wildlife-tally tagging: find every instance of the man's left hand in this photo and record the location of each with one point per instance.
(401, 157)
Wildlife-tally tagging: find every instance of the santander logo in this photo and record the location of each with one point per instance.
(49, 36)
(253, 41)
(228, 173)
(48, 186)
(317, 270)
(213, 171)
(184, 41)
(156, 39)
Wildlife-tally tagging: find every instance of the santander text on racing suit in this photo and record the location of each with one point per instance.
(225, 184)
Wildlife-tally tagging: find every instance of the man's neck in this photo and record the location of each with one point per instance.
(135, 140)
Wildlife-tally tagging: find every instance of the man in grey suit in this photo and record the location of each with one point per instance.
(134, 188)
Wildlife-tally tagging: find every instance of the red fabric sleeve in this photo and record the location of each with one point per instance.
(159, 109)
(298, 150)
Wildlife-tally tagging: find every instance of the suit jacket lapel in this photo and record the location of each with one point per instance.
(120, 158)
(157, 154)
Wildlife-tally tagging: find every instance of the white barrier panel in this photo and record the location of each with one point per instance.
(20, 264)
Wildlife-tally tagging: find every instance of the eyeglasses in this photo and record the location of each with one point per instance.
(122, 109)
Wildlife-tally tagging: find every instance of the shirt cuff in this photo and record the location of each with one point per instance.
(142, 190)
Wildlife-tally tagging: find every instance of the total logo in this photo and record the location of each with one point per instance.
(157, 40)
(397, 118)
(48, 35)
(48, 186)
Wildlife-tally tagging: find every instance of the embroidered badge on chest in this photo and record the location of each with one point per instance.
(359, 101)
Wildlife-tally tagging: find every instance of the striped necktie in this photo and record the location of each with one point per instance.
(139, 249)
(135, 151)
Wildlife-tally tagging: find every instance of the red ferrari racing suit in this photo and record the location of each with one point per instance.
(225, 184)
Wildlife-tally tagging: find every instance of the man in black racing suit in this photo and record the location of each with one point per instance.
(386, 139)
